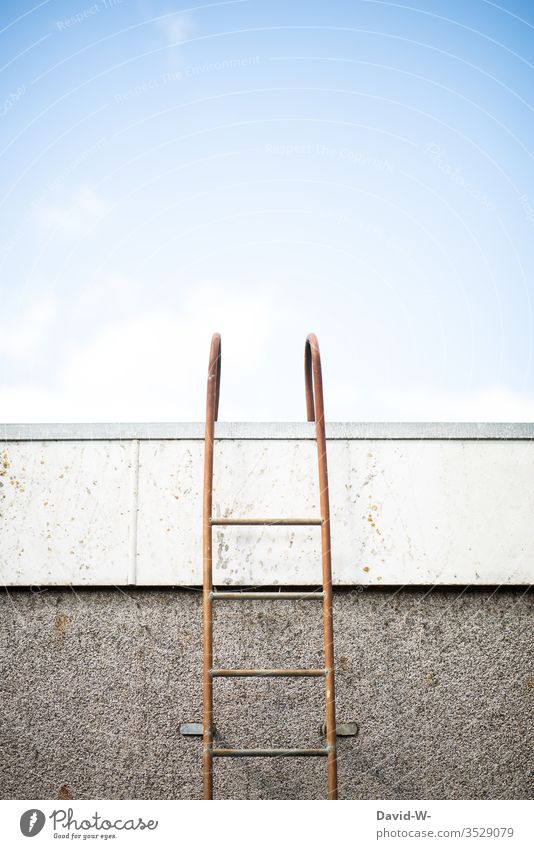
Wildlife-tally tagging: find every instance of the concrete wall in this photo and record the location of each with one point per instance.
(96, 683)
(99, 668)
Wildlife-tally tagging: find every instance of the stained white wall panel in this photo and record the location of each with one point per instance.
(66, 512)
(107, 510)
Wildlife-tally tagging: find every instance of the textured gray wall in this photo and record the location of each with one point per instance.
(95, 685)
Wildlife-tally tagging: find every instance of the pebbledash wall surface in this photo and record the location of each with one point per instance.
(100, 558)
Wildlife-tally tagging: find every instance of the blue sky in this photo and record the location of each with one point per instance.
(360, 169)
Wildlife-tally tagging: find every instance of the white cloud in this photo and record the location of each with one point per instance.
(99, 385)
(86, 209)
(22, 335)
(153, 367)
(489, 404)
(175, 27)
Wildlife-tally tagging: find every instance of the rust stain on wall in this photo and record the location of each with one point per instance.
(60, 627)
(64, 792)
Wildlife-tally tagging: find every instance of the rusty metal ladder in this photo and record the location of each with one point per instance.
(315, 412)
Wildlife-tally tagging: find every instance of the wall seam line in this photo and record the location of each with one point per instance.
(134, 507)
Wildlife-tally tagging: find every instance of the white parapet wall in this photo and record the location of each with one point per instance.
(105, 505)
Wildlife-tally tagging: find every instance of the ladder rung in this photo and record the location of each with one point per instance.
(267, 673)
(308, 596)
(270, 753)
(225, 521)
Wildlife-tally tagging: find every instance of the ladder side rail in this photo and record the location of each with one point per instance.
(212, 409)
(315, 412)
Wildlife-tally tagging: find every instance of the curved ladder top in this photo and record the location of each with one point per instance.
(214, 379)
(312, 375)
